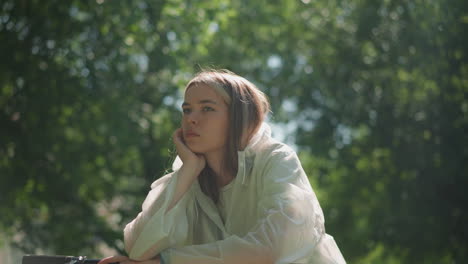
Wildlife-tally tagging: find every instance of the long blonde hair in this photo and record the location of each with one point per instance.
(248, 107)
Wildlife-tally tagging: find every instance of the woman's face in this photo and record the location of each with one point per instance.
(205, 120)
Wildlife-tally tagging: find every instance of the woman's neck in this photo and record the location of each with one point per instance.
(216, 163)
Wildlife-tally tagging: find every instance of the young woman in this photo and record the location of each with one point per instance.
(236, 195)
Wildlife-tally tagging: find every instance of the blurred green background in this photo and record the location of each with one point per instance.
(372, 94)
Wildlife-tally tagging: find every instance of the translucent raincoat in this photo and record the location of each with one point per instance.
(267, 214)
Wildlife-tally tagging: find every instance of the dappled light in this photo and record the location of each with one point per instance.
(371, 94)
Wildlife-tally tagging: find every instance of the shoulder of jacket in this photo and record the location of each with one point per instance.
(274, 149)
(163, 180)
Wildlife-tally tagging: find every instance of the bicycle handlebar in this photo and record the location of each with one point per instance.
(41, 259)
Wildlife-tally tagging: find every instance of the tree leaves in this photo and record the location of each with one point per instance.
(89, 95)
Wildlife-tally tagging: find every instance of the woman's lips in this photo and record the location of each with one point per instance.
(189, 134)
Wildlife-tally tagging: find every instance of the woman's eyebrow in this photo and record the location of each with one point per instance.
(207, 101)
(204, 101)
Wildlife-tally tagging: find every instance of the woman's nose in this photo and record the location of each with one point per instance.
(193, 118)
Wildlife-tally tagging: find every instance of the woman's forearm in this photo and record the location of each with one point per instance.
(186, 176)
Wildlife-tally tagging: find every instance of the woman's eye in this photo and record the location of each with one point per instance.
(207, 109)
(186, 110)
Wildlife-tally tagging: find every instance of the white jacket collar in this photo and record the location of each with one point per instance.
(263, 132)
(245, 157)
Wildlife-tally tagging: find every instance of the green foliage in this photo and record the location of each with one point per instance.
(377, 91)
(83, 131)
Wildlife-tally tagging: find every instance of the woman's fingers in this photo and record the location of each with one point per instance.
(177, 137)
(150, 261)
(127, 260)
(189, 158)
(113, 259)
(182, 149)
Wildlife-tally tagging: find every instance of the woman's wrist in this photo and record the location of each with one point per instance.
(191, 169)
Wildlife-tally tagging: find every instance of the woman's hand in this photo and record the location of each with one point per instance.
(127, 260)
(188, 173)
(195, 161)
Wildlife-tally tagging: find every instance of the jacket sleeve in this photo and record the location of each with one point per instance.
(154, 229)
(289, 227)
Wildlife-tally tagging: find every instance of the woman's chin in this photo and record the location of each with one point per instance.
(197, 151)
(194, 149)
